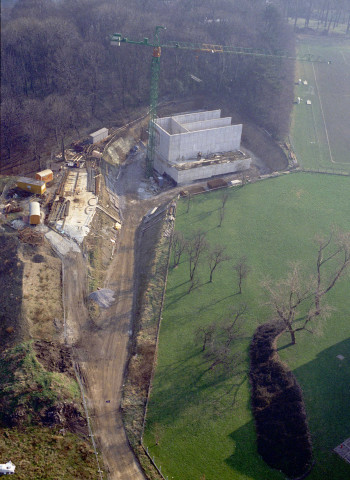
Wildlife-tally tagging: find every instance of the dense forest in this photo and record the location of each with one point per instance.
(59, 72)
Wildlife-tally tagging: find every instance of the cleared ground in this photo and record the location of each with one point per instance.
(320, 131)
(201, 421)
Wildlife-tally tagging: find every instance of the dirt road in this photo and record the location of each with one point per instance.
(100, 347)
(102, 353)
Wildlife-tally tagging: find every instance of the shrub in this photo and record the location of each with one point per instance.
(283, 436)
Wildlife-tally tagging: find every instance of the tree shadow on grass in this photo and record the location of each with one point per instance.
(180, 385)
(245, 458)
(205, 307)
(183, 294)
(201, 217)
(325, 383)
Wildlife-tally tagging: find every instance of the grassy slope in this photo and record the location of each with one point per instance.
(47, 454)
(25, 382)
(272, 223)
(39, 452)
(329, 87)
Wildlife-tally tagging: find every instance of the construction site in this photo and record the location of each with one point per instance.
(87, 227)
(91, 210)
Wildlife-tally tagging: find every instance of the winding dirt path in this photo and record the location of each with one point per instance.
(100, 347)
(102, 354)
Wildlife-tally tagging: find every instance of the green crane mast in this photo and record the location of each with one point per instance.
(116, 39)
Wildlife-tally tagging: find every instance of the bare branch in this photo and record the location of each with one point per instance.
(216, 256)
(242, 269)
(293, 293)
(195, 248)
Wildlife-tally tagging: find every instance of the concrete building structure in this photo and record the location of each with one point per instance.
(99, 135)
(198, 145)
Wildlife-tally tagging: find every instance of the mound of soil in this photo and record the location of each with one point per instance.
(216, 183)
(65, 415)
(31, 395)
(54, 357)
(103, 297)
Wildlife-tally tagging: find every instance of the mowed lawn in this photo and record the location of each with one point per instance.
(321, 131)
(200, 423)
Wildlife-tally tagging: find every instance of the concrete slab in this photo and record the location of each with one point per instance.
(343, 450)
(60, 244)
(82, 206)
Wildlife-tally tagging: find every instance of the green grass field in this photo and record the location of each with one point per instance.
(202, 421)
(320, 131)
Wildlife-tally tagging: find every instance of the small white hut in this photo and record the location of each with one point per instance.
(34, 213)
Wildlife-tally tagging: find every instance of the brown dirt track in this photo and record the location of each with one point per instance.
(100, 346)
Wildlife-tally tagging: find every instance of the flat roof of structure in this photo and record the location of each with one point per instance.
(227, 157)
(30, 181)
(98, 132)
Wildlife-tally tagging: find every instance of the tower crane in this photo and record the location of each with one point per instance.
(116, 39)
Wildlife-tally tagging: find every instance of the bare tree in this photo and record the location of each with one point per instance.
(220, 349)
(242, 269)
(294, 296)
(205, 335)
(223, 198)
(179, 246)
(215, 257)
(34, 127)
(10, 121)
(189, 197)
(194, 281)
(60, 113)
(195, 248)
(158, 432)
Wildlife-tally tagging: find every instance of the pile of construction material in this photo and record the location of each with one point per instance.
(12, 207)
(59, 210)
(216, 183)
(33, 237)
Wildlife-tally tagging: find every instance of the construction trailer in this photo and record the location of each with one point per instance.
(99, 135)
(45, 176)
(29, 185)
(34, 213)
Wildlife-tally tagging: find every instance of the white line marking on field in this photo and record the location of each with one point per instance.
(324, 120)
(342, 54)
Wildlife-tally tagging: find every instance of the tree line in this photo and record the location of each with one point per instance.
(60, 73)
(327, 13)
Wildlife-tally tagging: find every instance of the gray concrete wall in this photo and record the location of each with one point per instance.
(183, 177)
(187, 145)
(207, 124)
(162, 142)
(197, 116)
(176, 127)
(164, 123)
